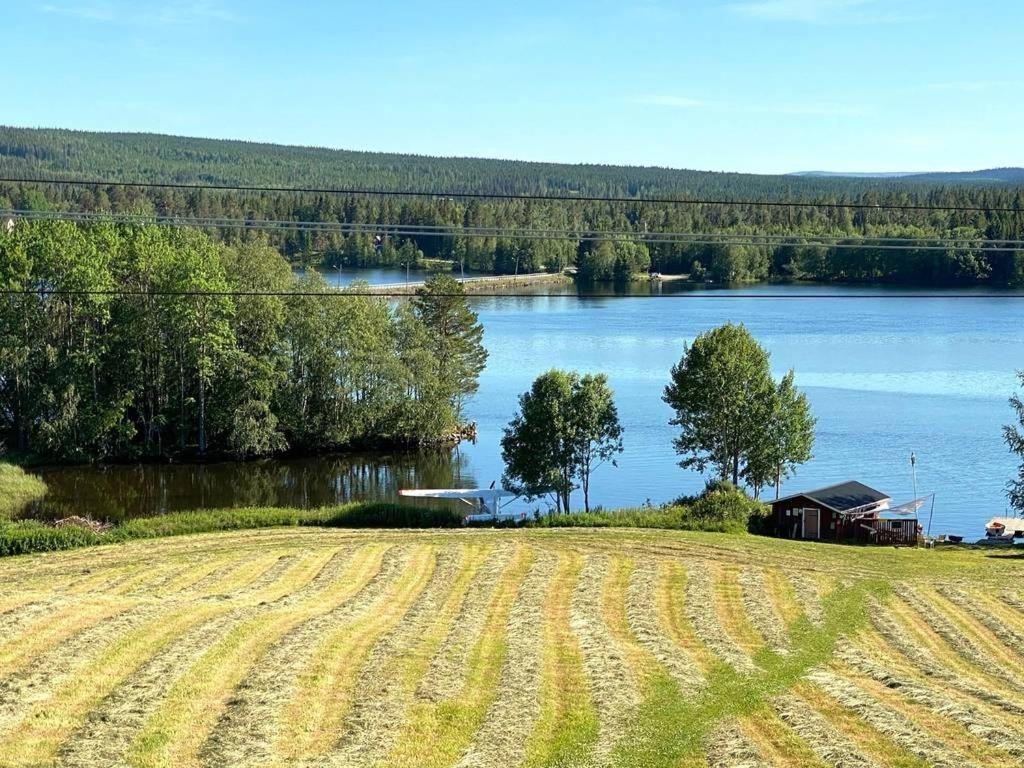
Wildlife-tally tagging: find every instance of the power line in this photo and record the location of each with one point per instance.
(516, 233)
(390, 293)
(370, 192)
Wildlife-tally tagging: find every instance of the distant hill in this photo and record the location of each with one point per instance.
(965, 207)
(990, 175)
(29, 152)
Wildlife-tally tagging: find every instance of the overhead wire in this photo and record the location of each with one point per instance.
(877, 242)
(459, 194)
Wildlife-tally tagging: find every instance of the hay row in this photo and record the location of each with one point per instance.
(318, 696)
(958, 741)
(760, 607)
(830, 745)
(728, 747)
(967, 645)
(247, 726)
(646, 627)
(175, 732)
(502, 738)
(387, 681)
(923, 660)
(612, 684)
(567, 722)
(979, 723)
(437, 733)
(447, 670)
(887, 721)
(704, 618)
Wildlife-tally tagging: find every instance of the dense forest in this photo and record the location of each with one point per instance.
(107, 351)
(861, 253)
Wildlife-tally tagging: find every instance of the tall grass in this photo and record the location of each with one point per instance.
(27, 536)
(17, 488)
(720, 508)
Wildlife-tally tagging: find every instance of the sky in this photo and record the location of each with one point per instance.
(763, 86)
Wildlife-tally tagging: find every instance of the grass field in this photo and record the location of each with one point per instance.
(316, 647)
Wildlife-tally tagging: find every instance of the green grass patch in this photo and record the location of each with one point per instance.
(18, 488)
(670, 728)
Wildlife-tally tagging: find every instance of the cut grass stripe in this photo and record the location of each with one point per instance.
(436, 734)
(399, 661)
(780, 592)
(732, 610)
(646, 626)
(822, 737)
(45, 725)
(947, 647)
(49, 631)
(657, 739)
(704, 616)
(501, 740)
(958, 742)
(323, 694)
(872, 743)
(609, 674)
(727, 746)
(971, 639)
(173, 734)
(567, 727)
(887, 720)
(760, 608)
(777, 742)
(981, 720)
(106, 736)
(671, 599)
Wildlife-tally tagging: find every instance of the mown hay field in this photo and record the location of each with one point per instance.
(314, 647)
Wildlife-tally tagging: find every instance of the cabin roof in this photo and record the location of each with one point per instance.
(841, 497)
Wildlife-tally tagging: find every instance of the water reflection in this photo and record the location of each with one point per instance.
(120, 492)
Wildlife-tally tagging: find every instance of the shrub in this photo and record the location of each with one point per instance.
(721, 507)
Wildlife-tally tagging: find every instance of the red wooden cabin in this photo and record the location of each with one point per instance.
(848, 511)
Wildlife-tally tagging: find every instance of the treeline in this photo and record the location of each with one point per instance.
(108, 350)
(139, 157)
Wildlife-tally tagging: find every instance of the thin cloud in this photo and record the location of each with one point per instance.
(81, 11)
(679, 102)
(809, 109)
(974, 86)
(160, 14)
(822, 11)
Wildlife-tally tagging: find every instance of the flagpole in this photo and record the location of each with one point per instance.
(913, 470)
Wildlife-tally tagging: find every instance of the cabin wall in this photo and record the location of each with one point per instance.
(788, 520)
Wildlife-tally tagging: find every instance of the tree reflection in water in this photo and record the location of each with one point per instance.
(121, 492)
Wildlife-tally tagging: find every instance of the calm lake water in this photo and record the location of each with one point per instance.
(885, 376)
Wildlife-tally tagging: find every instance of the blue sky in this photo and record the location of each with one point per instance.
(736, 85)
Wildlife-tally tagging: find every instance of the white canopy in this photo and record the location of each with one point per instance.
(910, 507)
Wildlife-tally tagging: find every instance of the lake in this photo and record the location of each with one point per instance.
(885, 376)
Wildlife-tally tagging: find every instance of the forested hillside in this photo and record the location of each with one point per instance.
(859, 256)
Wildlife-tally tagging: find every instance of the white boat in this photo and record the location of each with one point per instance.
(1001, 531)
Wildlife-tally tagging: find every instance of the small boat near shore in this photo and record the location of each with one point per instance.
(1002, 531)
